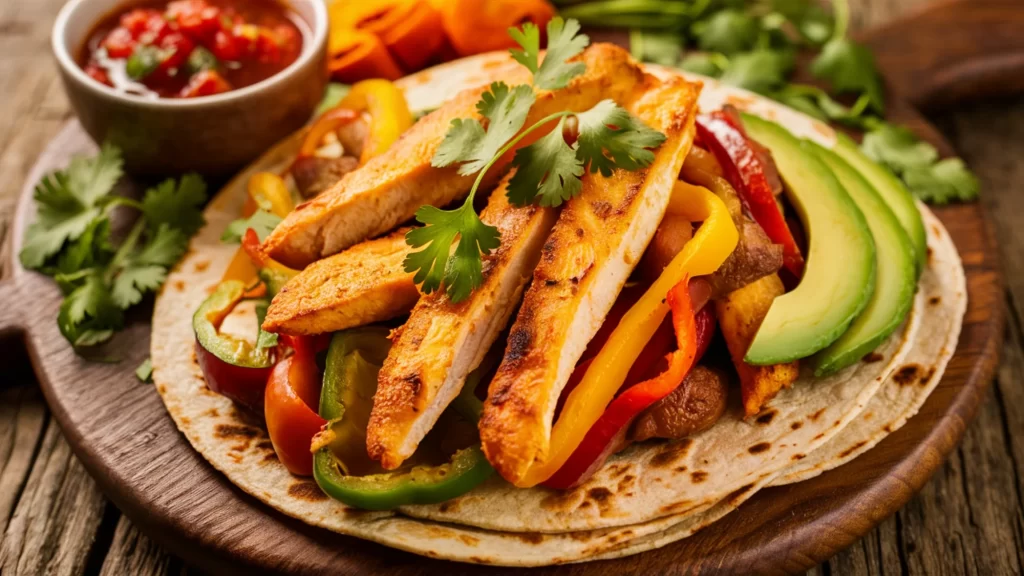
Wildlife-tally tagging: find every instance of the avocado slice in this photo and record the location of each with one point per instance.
(839, 276)
(892, 190)
(895, 278)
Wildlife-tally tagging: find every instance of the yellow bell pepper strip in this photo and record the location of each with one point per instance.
(268, 192)
(271, 194)
(712, 243)
(389, 113)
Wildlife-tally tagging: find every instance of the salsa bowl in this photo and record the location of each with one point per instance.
(212, 135)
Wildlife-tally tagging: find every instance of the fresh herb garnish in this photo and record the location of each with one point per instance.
(144, 61)
(201, 59)
(145, 371)
(547, 172)
(752, 45)
(261, 221)
(71, 241)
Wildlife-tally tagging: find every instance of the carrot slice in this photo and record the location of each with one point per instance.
(357, 55)
(474, 26)
(417, 37)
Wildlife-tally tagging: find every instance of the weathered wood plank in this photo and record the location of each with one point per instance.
(22, 416)
(131, 552)
(55, 521)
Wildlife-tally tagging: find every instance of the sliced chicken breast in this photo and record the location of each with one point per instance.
(597, 241)
(361, 285)
(443, 342)
(388, 189)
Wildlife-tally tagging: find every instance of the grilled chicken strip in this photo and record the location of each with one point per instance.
(597, 241)
(388, 189)
(361, 285)
(442, 343)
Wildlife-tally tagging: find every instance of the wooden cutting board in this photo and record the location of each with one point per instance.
(122, 433)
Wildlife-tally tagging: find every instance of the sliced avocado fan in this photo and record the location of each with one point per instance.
(839, 276)
(895, 279)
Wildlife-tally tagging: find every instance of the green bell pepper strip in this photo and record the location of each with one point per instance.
(354, 358)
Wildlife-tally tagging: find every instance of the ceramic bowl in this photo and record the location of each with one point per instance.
(212, 135)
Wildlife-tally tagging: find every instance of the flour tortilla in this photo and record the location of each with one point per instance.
(645, 497)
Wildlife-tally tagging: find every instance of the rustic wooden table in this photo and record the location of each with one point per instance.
(968, 520)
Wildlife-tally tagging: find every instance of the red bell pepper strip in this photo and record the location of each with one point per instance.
(745, 173)
(292, 391)
(692, 337)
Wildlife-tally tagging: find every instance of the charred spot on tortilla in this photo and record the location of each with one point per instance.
(563, 500)
(680, 469)
(529, 537)
(759, 447)
(738, 493)
(888, 428)
(671, 453)
(796, 425)
(935, 300)
(819, 436)
(179, 285)
(201, 265)
(225, 431)
(869, 415)
(927, 377)
(799, 456)
(625, 483)
(852, 449)
(449, 506)
(767, 417)
(814, 417)
(698, 476)
(469, 540)
(872, 357)
(600, 495)
(270, 456)
(907, 374)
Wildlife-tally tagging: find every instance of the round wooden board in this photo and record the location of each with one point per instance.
(122, 433)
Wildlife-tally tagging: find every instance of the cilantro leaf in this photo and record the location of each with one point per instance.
(461, 270)
(564, 42)
(91, 249)
(850, 67)
(89, 315)
(665, 48)
(898, 148)
(467, 141)
(67, 203)
(701, 63)
(134, 281)
(610, 137)
(264, 339)
(164, 248)
(145, 371)
(761, 70)
(179, 205)
(144, 61)
(261, 221)
(945, 181)
(727, 31)
(548, 168)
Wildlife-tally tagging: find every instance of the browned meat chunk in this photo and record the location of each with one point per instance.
(694, 406)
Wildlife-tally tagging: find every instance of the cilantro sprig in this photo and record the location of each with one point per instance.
(753, 45)
(547, 172)
(72, 241)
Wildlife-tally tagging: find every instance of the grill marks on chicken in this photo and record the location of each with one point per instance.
(597, 241)
(389, 188)
(442, 342)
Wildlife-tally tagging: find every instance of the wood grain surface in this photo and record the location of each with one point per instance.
(967, 519)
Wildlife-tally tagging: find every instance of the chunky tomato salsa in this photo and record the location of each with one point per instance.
(190, 48)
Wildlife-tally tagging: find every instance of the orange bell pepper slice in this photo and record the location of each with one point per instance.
(713, 242)
(357, 55)
(417, 37)
(389, 113)
(476, 26)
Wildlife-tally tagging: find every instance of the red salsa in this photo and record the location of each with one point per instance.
(190, 48)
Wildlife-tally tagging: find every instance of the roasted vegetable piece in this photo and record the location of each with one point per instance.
(694, 406)
(294, 387)
(313, 174)
(342, 468)
(599, 442)
(361, 285)
(389, 114)
(231, 366)
(474, 27)
(740, 314)
(357, 55)
(746, 174)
